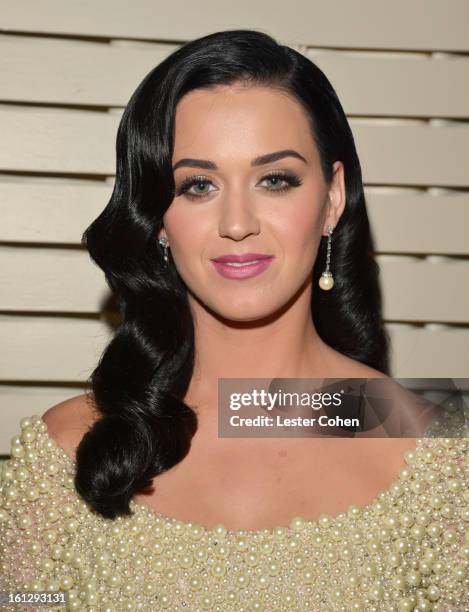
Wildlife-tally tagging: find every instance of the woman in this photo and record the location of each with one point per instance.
(126, 497)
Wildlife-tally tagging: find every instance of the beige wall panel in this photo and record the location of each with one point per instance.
(49, 70)
(49, 210)
(60, 280)
(39, 348)
(396, 153)
(436, 353)
(75, 72)
(423, 290)
(420, 222)
(57, 140)
(406, 25)
(18, 401)
(391, 152)
(69, 206)
(66, 349)
(397, 84)
(31, 398)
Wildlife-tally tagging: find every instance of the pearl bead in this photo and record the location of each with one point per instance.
(406, 519)
(398, 582)
(433, 593)
(436, 501)
(326, 282)
(324, 521)
(434, 530)
(28, 435)
(17, 450)
(413, 578)
(409, 456)
(425, 567)
(405, 604)
(422, 518)
(397, 489)
(417, 532)
(449, 469)
(450, 536)
(459, 572)
(447, 510)
(418, 487)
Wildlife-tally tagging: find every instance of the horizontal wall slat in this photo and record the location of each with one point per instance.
(409, 154)
(67, 141)
(429, 354)
(15, 398)
(398, 84)
(18, 401)
(75, 72)
(48, 280)
(424, 291)
(398, 25)
(54, 349)
(71, 205)
(38, 348)
(63, 280)
(396, 219)
(391, 152)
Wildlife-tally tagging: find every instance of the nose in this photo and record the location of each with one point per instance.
(238, 217)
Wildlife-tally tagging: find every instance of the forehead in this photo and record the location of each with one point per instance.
(234, 121)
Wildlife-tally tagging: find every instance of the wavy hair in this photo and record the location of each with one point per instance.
(144, 372)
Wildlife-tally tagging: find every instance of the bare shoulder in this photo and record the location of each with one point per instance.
(346, 367)
(69, 420)
(361, 370)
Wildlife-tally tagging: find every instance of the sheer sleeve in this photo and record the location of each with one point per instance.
(31, 495)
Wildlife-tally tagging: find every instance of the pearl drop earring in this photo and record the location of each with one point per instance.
(326, 281)
(164, 244)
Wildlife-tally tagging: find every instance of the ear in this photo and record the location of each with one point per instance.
(336, 197)
(162, 234)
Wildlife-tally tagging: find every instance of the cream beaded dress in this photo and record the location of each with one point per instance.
(408, 550)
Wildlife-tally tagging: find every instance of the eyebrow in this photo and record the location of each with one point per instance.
(257, 161)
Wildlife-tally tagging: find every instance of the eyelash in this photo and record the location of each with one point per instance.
(188, 182)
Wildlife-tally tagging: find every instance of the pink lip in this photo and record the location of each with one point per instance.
(240, 272)
(241, 258)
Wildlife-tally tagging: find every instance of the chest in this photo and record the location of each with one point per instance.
(263, 483)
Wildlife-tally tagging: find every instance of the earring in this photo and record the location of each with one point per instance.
(164, 244)
(326, 281)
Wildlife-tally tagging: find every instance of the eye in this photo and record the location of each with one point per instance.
(193, 181)
(277, 178)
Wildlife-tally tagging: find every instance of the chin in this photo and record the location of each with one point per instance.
(244, 312)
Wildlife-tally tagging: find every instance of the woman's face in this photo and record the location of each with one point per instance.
(229, 202)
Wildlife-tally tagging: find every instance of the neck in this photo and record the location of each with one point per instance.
(284, 345)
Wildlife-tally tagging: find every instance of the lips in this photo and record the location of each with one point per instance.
(245, 257)
(239, 267)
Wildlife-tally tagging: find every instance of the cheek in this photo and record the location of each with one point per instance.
(188, 236)
(299, 229)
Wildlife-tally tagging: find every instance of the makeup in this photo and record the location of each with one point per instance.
(242, 266)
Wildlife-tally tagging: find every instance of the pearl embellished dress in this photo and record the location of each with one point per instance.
(407, 550)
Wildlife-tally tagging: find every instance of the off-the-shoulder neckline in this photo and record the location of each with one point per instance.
(212, 531)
